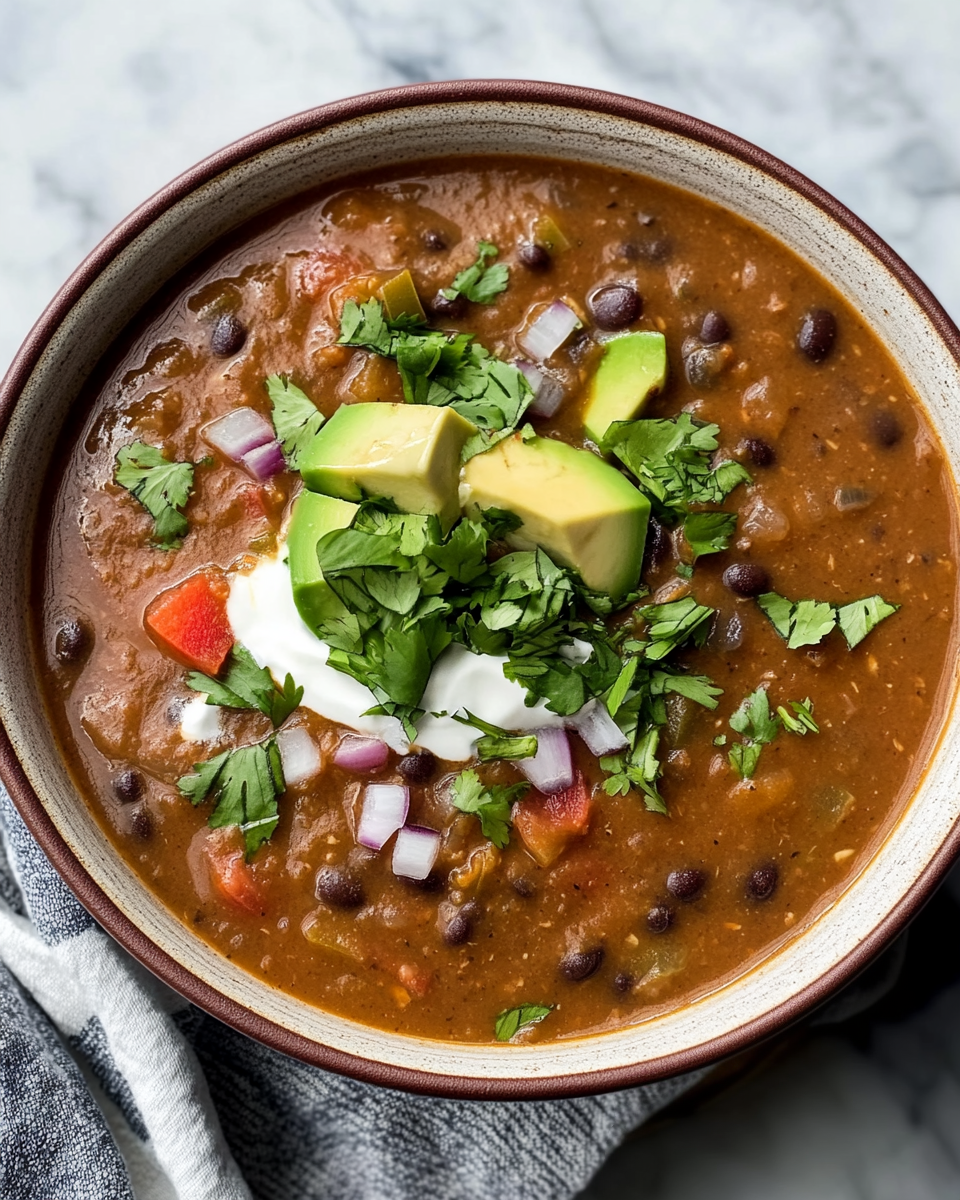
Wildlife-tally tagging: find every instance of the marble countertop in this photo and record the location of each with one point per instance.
(103, 101)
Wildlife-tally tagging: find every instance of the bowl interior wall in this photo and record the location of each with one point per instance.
(221, 204)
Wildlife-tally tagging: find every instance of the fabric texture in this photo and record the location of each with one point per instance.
(113, 1087)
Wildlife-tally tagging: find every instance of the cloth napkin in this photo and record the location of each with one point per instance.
(113, 1087)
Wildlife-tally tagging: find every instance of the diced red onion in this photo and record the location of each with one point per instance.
(239, 432)
(299, 755)
(548, 398)
(357, 753)
(385, 808)
(551, 768)
(549, 331)
(415, 851)
(530, 372)
(265, 461)
(600, 732)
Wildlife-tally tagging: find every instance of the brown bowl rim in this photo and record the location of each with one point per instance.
(116, 923)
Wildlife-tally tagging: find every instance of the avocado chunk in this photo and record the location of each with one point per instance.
(581, 510)
(633, 368)
(313, 517)
(408, 452)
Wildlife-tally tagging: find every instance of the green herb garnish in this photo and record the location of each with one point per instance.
(443, 368)
(807, 622)
(498, 743)
(161, 486)
(800, 721)
(245, 685)
(296, 419)
(492, 805)
(512, 1020)
(758, 727)
(480, 283)
(245, 784)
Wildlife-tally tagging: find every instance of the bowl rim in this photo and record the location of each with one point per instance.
(121, 927)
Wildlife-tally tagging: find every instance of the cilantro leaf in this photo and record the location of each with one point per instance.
(245, 784)
(480, 283)
(498, 743)
(670, 459)
(753, 719)
(639, 768)
(858, 618)
(709, 532)
(810, 623)
(296, 419)
(780, 611)
(670, 625)
(800, 721)
(161, 486)
(492, 805)
(513, 1020)
(246, 685)
(744, 758)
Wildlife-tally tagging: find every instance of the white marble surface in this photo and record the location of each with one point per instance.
(102, 101)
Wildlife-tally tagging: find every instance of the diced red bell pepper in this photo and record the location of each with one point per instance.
(230, 872)
(548, 824)
(190, 621)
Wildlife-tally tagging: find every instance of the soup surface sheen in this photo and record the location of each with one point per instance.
(593, 909)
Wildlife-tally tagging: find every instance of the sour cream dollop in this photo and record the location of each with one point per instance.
(265, 619)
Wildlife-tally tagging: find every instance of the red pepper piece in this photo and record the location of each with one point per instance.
(190, 621)
(229, 870)
(548, 824)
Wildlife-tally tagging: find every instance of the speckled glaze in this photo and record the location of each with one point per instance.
(245, 179)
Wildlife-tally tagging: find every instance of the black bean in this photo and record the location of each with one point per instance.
(141, 824)
(228, 336)
(762, 883)
(686, 885)
(524, 887)
(338, 888)
(615, 306)
(623, 983)
(418, 767)
(657, 548)
(760, 453)
(433, 240)
(460, 926)
(817, 334)
(704, 365)
(746, 579)
(448, 309)
(581, 964)
(431, 883)
(128, 786)
(533, 256)
(884, 427)
(72, 642)
(659, 918)
(715, 328)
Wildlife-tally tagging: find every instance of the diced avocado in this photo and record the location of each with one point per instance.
(313, 517)
(547, 233)
(633, 368)
(409, 452)
(581, 510)
(400, 297)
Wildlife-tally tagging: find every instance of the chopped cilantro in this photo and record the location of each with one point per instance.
(800, 721)
(753, 719)
(443, 368)
(709, 532)
(497, 742)
(481, 283)
(639, 768)
(670, 625)
(492, 805)
(296, 419)
(161, 486)
(245, 784)
(858, 618)
(513, 1020)
(684, 570)
(807, 622)
(245, 685)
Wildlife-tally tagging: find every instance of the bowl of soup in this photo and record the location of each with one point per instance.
(480, 582)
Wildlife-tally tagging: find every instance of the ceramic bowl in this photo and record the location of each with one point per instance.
(247, 178)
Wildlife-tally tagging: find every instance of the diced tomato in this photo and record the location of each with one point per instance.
(548, 824)
(229, 870)
(254, 500)
(414, 979)
(324, 270)
(190, 621)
